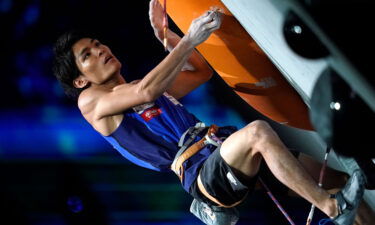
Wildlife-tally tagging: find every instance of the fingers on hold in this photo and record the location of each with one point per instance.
(212, 29)
(202, 16)
(214, 20)
(215, 24)
(209, 18)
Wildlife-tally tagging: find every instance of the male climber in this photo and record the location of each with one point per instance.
(146, 124)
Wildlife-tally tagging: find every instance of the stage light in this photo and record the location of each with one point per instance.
(301, 39)
(75, 204)
(335, 105)
(341, 117)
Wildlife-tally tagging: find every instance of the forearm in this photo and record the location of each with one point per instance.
(156, 82)
(162, 77)
(195, 61)
(173, 38)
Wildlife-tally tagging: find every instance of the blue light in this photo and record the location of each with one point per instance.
(31, 15)
(66, 142)
(25, 85)
(5, 5)
(44, 53)
(58, 90)
(63, 133)
(50, 114)
(75, 204)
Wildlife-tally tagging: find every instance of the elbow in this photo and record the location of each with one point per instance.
(149, 96)
(203, 75)
(210, 73)
(207, 74)
(146, 93)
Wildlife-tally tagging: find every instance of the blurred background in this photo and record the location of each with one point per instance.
(54, 168)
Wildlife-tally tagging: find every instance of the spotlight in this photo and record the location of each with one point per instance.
(75, 204)
(301, 39)
(341, 117)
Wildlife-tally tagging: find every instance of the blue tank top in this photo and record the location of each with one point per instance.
(149, 134)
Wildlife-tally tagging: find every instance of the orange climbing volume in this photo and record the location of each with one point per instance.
(243, 65)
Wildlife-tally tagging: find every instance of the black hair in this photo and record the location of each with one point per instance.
(64, 67)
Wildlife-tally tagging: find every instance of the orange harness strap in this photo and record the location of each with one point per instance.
(189, 152)
(203, 190)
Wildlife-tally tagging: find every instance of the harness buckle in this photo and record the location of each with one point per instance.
(186, 152)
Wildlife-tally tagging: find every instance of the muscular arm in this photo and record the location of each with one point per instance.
(158, 80)
(154, 84)
(195, 71)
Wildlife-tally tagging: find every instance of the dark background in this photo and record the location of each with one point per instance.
(54, 169)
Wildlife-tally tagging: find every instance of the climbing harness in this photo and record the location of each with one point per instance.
(186, 150)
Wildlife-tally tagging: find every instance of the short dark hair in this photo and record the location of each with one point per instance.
(64, 67)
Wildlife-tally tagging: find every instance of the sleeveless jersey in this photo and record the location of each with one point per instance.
(149, 134)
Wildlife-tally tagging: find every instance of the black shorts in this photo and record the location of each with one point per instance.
(221, 184)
